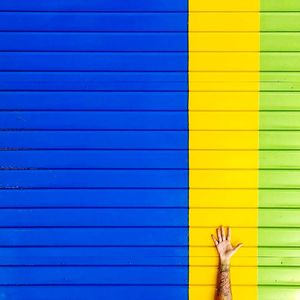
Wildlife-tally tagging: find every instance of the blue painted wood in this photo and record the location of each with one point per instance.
(94, 140)
(95, 292)
(99, 159)
(94, 179)
(101, 61)
(98, 256)
(91, 237)
(60, 41)
(129, 198)
(93, 100)
(94, 5)
(91, 81)
(94, 275)
(94, 120)
(92, 217)
(93, 22)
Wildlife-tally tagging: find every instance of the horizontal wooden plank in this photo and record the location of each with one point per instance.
(91, 237)
(221, 121)
(150, 120)
(279, 100)
(222, 140)
(224, 42)
(94, 179)
(93, 292)
(279, 140)
(95, 275)
(94, 198)
(236, 120)
(215, 101)
(221, 6)
(279, 198)
(278, 292)
(245, 140)
(94, 5)
(91, 61)
(280, 21)
(278, 253)
(222, 198)
(280, 81)
(231, 78)
(234, 217)
(279, 217)
(279, 159)
(60, 41)
(274, 5)
(102, 217)
(288, 41)
(98, 256)
(246, 179)
(267, 237)
(243, 21)
(268, 275)
(279, 179)
(279, 237)
(218, 159)
(94, 81)
(227, 21)
(93, 22)
(99, 159)
(280, 120)
(94, 100)
(280, 61)
(279, 276)
(95, 120)
(94, 139)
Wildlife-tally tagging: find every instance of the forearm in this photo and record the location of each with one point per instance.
(223, 290)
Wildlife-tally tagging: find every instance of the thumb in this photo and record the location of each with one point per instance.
(236, 248)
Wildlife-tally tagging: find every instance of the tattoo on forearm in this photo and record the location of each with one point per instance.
(223, 290)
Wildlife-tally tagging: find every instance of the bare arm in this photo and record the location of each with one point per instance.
(225, 251)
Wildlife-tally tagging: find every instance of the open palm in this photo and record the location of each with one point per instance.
(223, 244)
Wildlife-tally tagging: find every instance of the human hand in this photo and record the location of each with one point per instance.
(224, 246)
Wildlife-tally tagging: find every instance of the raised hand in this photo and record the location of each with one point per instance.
(223, 244)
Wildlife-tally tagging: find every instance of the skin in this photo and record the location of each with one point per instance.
(225, 251)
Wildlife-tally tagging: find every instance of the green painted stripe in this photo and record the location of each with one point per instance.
(279, 140)
(278, 293)
(280, 21)
(279, 217)
(282, 41)
(278, 237)
(277, 159)
(280, 100)
(280, 198)
(279, 175)
(279, 81)
(280, 61)
(276, 120)
(280, 5)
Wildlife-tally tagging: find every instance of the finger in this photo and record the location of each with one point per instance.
(223, 233)
(237, 247)
(214, 239)
(219, 234)
(228, 233)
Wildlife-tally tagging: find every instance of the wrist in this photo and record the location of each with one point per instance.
(225, 262)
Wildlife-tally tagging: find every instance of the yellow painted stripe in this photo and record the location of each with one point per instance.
(223, 140)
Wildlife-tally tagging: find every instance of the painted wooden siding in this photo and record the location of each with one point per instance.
(223, 122)
(94, 160)
(279, 157)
